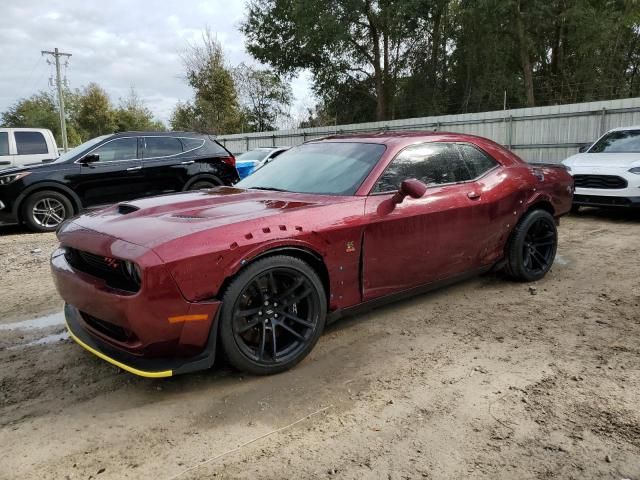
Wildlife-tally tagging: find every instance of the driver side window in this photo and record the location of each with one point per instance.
(120, 149)
(431, 163)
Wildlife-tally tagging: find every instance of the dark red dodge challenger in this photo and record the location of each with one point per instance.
(347, 222)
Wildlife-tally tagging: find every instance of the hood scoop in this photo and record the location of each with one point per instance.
(125, 209)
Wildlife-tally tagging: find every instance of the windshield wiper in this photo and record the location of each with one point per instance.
(272, 189)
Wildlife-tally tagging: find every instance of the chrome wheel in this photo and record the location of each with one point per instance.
(49, 212)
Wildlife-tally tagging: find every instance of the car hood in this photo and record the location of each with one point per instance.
(36, 167)
(153, 221)
(603, 160)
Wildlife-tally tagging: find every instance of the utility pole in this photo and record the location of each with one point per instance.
(63, 121)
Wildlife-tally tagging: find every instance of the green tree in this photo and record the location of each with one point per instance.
(264, 97)
(184, 118)
(132, 114)
(216, 102)
(95, 115)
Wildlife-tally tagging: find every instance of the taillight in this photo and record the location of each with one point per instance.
(231, 160)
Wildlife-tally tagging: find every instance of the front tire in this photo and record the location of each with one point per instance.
(532, 246)
(273, 313)
(44, 211)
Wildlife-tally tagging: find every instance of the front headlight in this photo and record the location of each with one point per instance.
(635, 170)
(133, 271)
(12, 177)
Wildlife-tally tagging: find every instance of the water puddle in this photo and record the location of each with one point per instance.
(49, 339)
(53, 320)
(561, 260)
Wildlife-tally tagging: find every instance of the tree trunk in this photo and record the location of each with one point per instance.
(523, 50)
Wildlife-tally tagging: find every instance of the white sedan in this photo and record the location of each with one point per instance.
(607, 174)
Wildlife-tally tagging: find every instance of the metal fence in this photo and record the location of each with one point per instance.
(540, 134)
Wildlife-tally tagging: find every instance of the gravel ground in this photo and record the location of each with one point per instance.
(486, 379)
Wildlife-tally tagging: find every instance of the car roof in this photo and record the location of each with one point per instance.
(160, 134)
(388, 137)
(621, 129)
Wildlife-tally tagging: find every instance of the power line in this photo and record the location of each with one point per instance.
(63, 121)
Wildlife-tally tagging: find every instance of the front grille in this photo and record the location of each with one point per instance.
(599, 181)
(108, 329)
(111, 270)
(601, 200)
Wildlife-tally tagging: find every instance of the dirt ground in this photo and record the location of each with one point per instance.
(486, 379)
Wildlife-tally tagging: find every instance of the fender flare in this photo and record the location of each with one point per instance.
(202, 176)
(270, 248)
(75, 199)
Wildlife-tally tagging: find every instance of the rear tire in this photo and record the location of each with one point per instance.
(575, 209)
(532, 246)
(204, 184)
(273, 313)
(44, 211)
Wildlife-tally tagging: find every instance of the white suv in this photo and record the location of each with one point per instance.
(22, 146)
(607, 174)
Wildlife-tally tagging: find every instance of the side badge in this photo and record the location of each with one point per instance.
(351, 247)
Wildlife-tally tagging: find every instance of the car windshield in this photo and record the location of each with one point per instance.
(79, 149)
(330, 168)
(622, 141)
(253, 155)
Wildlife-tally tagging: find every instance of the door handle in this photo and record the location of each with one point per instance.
(188, 162)
(473, 195)
(134, 169)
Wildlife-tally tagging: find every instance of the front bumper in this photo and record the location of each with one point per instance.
(141, 366)
(605, 201)
(152, 332)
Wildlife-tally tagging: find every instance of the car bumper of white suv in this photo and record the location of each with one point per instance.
(614, 187)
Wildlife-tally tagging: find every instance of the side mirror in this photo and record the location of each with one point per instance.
(584, 148)
(91, 158)
(410, 188)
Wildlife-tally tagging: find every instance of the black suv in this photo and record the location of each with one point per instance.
(110, 169)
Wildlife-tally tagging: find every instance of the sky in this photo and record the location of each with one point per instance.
(118, 44)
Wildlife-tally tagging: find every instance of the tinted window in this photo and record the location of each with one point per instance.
(120, 149)
(332, 168)
(162, 147)
(431, 163)
(4, 143)
(192, 143)
(253, 155)
(30, 143)
(625, 141)
(477, 161)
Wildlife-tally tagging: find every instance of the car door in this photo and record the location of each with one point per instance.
(419, 241)
(167, 168)
(115, 176)
(6, 159)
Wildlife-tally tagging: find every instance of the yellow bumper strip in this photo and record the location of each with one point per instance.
(135, 371)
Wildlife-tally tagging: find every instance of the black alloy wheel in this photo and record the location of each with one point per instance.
(532, 246)
(273, 314)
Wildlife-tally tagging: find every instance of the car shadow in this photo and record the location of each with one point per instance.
(609, 214)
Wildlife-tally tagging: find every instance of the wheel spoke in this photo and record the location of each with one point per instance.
(299, 320)
(297, 283)
(252, 324)
(305, 293)
(539, 258)
(263, 341)
(272, 284)
(247, 312)
(291, 331)
(274, 342)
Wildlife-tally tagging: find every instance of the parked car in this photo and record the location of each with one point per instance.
(109, 169)
(607, 174)
(250, 161)
(333, 226)
(23, 146)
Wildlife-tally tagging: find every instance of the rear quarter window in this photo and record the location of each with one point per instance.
(30, 143)
(477, 161)
(4, 143)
